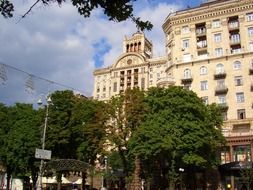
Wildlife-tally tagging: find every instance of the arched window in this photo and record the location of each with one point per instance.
(220, 68)
(187, 73)
(237, 65)
(203, 70)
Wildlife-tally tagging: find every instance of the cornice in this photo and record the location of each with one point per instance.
(206, 12)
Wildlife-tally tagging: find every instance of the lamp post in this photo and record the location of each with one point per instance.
(42, 157)
(103, 179)
(181, 170)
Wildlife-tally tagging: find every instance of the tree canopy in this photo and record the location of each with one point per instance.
(115, 10)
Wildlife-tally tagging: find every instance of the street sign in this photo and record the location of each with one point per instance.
(43, 154)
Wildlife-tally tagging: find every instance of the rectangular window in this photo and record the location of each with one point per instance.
(251, 46)
(221, 99)
(158, 75)
(186, 57)
(224, 115)
(217, 38)
(187, 86)
(221, 82)
(240, 97)
(203, 85)
(115, 74)
(216, 23)
(238, 81)
(250, 31)
(142, 69)
(115, 87)
(205, 100)
(151, 76)
(241, 114)
(218, 52)
(249, 16)
(186, 44)
(185, 29)
(142, 83)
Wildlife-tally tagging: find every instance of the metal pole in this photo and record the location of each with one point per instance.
(40, 185)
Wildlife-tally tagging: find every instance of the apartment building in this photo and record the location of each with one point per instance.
(209, 49)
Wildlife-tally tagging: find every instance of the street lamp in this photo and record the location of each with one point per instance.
(43, 154)
(181, 170)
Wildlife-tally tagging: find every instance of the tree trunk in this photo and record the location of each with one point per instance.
(136, 182)
(8, 181)
(59, 174)
(83, 180)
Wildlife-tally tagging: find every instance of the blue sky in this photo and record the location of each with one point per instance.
(58, 44)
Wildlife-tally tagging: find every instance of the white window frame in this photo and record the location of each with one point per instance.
(203, 85)
(185, 29)
(216, 23)
(217, 37)
(240, 97)
(249, 16)
(187, 73)
(250, 46)
(237, 65)
(238, 80)
(218, 52)
(220, 68)
(250, 31)
(203, 70)
(186, 43)
(222, 99)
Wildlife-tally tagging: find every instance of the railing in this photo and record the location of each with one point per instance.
(219, 74)
(221, 89)
(202, 44)
(233, 24)
(166, 80)
(231, 133)
(201, 31)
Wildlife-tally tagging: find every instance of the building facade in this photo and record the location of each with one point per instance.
(209, 49)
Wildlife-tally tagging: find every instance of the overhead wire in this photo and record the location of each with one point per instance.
(42, 78)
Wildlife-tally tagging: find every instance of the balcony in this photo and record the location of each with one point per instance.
(223, 106)
(235, 41)
(201, 31)
(165, 81)
(233, 25)
(186, 79)
(201, 45)
(220, 75)
(221, 89)
(234, 133)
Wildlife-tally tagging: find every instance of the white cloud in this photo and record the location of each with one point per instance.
(58, 44)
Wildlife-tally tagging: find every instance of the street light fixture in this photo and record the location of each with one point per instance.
(43, 153)
(181, 170)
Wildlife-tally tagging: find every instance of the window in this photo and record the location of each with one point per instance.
(224, 115)
(221, 83)
(115, 74)
(250, 31)
(187, 73)
(203, 85)
(203, 70)
(251, 46)
(187, 86)
(241, 114)
(241, 153)
(238, 81)
(142, 69)
(221, 99)
(151, 76)
(187, 57)
(217, 37)
(237, 65)
(104, 89)
(115, 87)
(220, 68)
(142, 83)
(186, 44)
(151, 69)
(218, 52)
(205, 100)
(185, 29)
(216, 23)
(240, 97)
(158, 75)
(98, 90)
(249, 16)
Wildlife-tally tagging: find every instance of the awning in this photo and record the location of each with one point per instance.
(234, 166)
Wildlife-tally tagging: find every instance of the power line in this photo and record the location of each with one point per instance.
(40, 78)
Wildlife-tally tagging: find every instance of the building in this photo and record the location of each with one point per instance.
(209, 49)
(135, 67)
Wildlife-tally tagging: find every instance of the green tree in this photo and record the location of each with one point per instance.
(126, 112)
(178, 131)
(116, 10)
(20, 138)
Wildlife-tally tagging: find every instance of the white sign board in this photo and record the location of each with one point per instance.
(43, 154)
